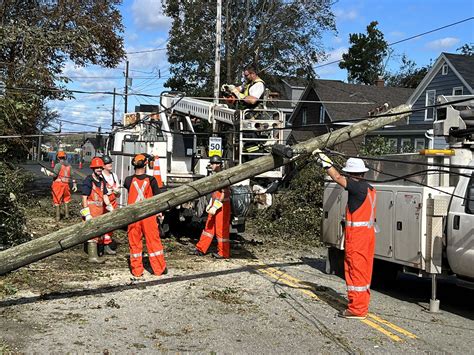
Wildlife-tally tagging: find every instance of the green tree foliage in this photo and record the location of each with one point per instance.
(281, 37)
(296, 212)
(376, 146)
(364, 60)
(408, 76)
(466, 49)
(36, 40)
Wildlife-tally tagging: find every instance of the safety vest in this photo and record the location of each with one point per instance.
(96, 197)
(246, 92)
(139, 190)
(362, 220)
(64, 174)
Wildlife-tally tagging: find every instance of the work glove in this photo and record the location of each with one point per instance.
(109, 208)
(216, 206)
(86, 213)
(44, 171)
(227, 87)
(74, 187)
(209, 205)
(322, 159)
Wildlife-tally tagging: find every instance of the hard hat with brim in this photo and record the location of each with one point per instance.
(355, 165)
(61, 154)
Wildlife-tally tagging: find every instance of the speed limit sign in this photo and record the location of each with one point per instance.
(215, 146)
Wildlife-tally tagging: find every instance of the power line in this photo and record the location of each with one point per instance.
(406, 39)
(147, 51)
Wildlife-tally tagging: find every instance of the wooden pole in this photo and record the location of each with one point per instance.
(68, 237)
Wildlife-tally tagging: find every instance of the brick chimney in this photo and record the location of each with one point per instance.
(380, 82)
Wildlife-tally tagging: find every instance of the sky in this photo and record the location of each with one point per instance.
(146, 32)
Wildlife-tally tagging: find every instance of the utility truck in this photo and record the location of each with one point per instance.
(170, 133)
(426, 219)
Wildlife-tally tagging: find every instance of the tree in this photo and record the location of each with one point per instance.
(466, 49)
(281, 37)
(365, 57)
(408, 76)
(36, 40)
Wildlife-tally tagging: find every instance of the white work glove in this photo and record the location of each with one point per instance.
(209, 205)
(86, 213)
(109, 208)
(74, 187)
(216, 206)
(44, 171)
(227, 87)
(322, 159)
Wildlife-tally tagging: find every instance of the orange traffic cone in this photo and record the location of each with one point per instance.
(80, 164)
(52, 163)
(157, 171)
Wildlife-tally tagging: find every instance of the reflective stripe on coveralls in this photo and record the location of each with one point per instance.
(60, 187)
(218, 225)
(140, 190)
(359, 254)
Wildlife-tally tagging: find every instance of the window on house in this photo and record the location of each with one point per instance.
(419, 144)
(393, 144)
(406, 146)
(458, 91)
(304, 117)
(430, 100)
(322, 112)
(444, 70)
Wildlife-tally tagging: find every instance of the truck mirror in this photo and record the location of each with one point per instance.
(470, 200)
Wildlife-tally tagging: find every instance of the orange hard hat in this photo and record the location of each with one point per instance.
(96, 162)
(139, 161)
(61, 154)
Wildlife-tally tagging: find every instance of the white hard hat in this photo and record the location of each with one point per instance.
(355, 165)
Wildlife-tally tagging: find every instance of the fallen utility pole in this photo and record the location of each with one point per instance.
(68, 237)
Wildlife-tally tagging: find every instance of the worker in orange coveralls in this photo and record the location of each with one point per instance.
(141, 186)
(62, 176)
(359, 242)
(94, 199)
(218, 220)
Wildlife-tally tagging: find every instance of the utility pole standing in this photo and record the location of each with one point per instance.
(218, 52)
(126, 87)
(113, 110)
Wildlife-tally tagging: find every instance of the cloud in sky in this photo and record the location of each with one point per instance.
(148, 15)
(443, 43)
(346, 15)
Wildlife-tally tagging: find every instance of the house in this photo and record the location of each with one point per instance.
(451, 74)
(92, 147)
(327, 105)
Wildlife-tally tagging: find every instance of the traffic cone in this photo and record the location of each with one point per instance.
(80, 164)
(157, 171)
(52, 163)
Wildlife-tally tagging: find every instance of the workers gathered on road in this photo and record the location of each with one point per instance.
(62, 177)
(218, 219)
(94, 200)
(359, 232)
(141, 186)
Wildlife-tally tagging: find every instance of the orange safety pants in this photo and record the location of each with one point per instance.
(61, 193)
(217, 225)
(149, 228)
(107, 237)
(358, 265)
(96, 211)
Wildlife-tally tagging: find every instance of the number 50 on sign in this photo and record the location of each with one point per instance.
(215, 146)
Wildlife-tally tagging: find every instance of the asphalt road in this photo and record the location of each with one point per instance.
(268, 299)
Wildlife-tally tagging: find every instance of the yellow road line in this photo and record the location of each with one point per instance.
(381, 330)
(393, 326)
(296, 283)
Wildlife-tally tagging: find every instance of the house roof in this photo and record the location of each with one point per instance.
(344, 101)
(464, 65)
(94, 141)
(283, 86)
(461, 65)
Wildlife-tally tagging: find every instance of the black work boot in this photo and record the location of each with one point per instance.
(108, 250)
